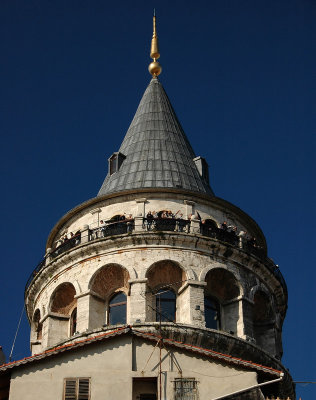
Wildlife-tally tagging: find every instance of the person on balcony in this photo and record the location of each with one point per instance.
(103, 228)
(77, 237)
(181, 223)
(242, 238)
(150, 220)
(129, 224)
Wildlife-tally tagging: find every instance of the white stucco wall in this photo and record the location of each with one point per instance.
(112, 364)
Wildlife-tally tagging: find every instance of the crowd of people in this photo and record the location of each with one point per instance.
(119, 224)
(157, 221)
(228, 232)
(164, 220)
(74, 237)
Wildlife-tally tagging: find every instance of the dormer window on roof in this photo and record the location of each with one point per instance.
(115, 162)
(202, 166)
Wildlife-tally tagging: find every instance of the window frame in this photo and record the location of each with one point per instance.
(165, 301)
(218, 310)
(77, 387)
(118, 304)
(185, 396)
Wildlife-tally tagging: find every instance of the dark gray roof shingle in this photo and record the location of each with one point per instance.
(158, 153)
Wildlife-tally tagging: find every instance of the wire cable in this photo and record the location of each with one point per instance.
(16, 333)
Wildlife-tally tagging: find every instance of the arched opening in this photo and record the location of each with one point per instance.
(166, 306)
(220, 309)
(263, 322)
(37, 326)
(110, 283)
(62, 306)
(73, 322)
(117, 309)
(164, 280)
(63, 299)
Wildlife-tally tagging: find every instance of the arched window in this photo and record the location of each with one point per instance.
(221, 287)
(212, 313)
(73, 322)
(117, 309)
(166, 306)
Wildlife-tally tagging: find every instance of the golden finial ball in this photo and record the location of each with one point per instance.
(154, 68)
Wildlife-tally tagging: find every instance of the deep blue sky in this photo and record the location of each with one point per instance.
(240, 77)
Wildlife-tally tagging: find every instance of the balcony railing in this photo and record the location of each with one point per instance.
(113, 228)
(166, 224)
(66, 245)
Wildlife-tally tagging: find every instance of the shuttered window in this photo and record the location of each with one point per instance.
(77, 389)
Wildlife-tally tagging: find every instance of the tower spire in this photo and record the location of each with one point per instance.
(154, 67)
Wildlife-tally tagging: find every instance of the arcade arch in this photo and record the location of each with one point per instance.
(165, 278)
(220, 309)
(110, 284)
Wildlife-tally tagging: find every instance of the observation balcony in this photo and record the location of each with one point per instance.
(156, 225)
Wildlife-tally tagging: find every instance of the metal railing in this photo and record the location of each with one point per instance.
(66, 245)
(113, 228)
(166, 224)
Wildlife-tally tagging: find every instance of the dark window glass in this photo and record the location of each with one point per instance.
(73, 322)
(113, 164)
(166, 306)
(117, 309)
(212, 313)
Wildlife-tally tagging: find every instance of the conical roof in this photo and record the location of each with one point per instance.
(155, 152)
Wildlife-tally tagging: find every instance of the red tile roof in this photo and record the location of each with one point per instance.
(145, 335)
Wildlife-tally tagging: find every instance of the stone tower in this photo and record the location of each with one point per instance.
(156, 279)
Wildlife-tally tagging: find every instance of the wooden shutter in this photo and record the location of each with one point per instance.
(77, 389)
(84, 389)
(70, 389)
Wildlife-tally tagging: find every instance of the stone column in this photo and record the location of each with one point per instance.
(139, 224)
(189, 208)
(190, 303)
(231, 318)
(90, 311)
(55, 329)
(140, 207)
(243, 309)
(140, 214)
(45, 331)
(96, 213)
(137, 306)
(85, 234)
(237, 317)
(195, 225)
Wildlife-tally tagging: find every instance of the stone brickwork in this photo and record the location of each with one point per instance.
(140, 262)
